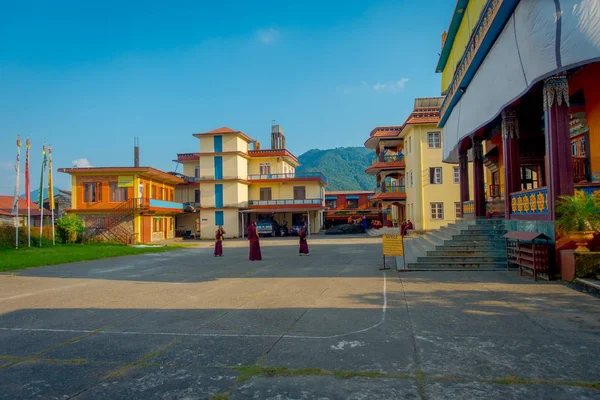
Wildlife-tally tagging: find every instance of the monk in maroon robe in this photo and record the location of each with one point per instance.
(219, 242)
(303, 243)
(254, 243)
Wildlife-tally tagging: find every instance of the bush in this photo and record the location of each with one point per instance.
(69, 228)
(7, 236)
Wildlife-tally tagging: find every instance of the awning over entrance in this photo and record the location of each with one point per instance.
(532, 45)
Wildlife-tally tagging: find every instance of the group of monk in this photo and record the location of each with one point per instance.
(254, 240)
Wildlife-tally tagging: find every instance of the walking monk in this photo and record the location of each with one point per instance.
(303, 243)
(254, 243)
(219, 242)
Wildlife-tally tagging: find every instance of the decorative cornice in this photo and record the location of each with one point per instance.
(485, 21)
(556, 88)
(510, 123)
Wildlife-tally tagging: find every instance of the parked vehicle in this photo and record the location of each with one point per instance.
(267, 228)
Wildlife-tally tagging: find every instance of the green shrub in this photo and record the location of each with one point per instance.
(69, 228)
(7, 236)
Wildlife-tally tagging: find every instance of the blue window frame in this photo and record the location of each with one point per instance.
(219, 219)
(219, 195)
(218, 167)
(218, 144)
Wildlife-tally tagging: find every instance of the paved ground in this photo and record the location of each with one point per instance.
(330, 326)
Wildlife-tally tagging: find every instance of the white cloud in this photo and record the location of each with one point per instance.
(364, 83)
(391, 86)
(7, 165)
(268, 36)
(81, 163)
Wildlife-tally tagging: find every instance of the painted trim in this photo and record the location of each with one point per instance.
(452, 31)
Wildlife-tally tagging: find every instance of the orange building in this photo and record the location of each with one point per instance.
(125, 204)
(343, 206)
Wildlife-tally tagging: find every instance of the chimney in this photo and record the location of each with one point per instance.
(277, 137)
(136, 151)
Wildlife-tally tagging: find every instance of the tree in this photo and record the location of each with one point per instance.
(69, 228)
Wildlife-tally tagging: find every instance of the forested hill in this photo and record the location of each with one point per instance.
(344, 167)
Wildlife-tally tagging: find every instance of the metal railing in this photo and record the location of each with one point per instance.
(285, 202)
(389, 158)
(391, 189)
(297, 175)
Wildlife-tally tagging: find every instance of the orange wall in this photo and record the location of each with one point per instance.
(105, 180)
(587, 79)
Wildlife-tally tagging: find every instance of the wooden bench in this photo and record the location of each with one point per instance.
(524, 250)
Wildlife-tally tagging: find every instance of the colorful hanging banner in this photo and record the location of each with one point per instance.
(41, 191)
(50, 183)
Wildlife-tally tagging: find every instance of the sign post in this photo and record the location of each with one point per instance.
(393, 245)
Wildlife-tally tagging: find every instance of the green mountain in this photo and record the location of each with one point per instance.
(344, 167)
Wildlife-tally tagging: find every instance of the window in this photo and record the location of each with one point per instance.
(170, 224)
(352, 203)
(218, 167)
(153, 195)
(457, 210)
(582, 147)
(91, 192)
(456, 174)
(410, 178)
(435, 175)
(265, 194)
(117, 194)
(197, 196)
(530, 178)
(197, 171)
(331, 204)
(165, 194)
(218, 144)
(437, 210)
(219, 219)
(299, 193)
(265, 168)
(434, 140)
(157, 224)
(219, 195)
(409, 144)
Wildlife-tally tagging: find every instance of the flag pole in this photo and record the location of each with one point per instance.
(51, 191)
(28, 192)
(41, 194)
(16, 198)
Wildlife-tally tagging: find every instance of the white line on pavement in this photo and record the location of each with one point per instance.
(44, 291)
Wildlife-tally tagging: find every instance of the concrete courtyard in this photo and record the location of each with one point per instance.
(186, 325)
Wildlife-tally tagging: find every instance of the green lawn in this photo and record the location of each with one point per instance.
(11, 259)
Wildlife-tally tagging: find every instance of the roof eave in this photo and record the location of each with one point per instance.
(452, 30)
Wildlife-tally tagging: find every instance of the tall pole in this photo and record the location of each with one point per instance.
(41, 194)
(16, 198)
(28, 191)
(51, 191)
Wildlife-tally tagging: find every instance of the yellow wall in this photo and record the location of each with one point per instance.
(189, 167)
(278, 165)
(207, 144)
(419, 158)
(207, 167)
(285, 191)
(461, 40)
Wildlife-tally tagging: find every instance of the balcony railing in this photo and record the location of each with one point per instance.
(529, 202)
(389, 158)
(171, 205)
(297, 175)
(391, 189)
(285, 202)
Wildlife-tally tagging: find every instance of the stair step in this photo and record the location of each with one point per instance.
(477, 238)
(462, 259)
(457, 266)
(466, 253)
(459, 247)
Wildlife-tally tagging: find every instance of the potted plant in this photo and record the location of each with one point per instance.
(579, 218)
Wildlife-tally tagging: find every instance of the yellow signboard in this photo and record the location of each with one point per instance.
(125, 181)
(393, 245)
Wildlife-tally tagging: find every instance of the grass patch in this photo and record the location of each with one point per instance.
(248, 372)
(220, 396)
(11, 259)
(354, 374)
(517, 380)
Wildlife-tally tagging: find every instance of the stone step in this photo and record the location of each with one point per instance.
(466, 253)
(461, 247)
(462, 259)
(494, 266)
(464, 237)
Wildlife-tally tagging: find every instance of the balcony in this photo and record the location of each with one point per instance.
(296, 176)
(389, 158)
(187, 157)
(163, 204)
(391, 189)
(285, 202)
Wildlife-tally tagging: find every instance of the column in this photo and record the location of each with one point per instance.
(559, 163)
(510, 156)
(478, 178)
(463, 169)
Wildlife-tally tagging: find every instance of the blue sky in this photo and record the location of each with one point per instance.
(87, 77)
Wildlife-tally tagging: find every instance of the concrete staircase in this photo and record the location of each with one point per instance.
(465, 244)
(383, 231)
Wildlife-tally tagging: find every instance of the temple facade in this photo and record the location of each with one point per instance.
(521, 114)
